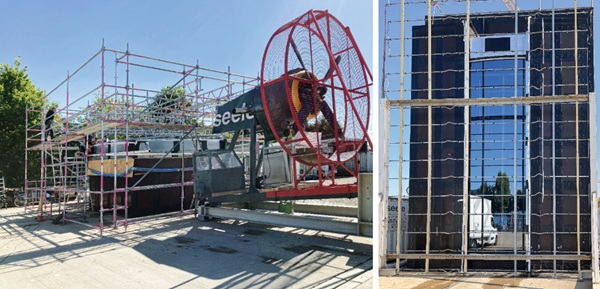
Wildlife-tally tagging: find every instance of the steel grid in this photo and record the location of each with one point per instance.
(403, 100)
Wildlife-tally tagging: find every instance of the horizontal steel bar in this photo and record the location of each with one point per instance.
(328, 224)
(330, 210)
(489, 101)
(489, 257)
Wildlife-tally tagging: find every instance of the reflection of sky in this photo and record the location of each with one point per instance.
(497, 132)
(415, 15)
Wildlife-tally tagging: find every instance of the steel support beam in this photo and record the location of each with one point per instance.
(594, 187)
(429, 136)
(328, 210)
(400, 138)
(490, 101)
(340, 191)
(253, 169)
(467, 136)
(365, 204)
(491, 257)
(320, 223)
(384, 164)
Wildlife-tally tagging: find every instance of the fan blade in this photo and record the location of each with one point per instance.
(295, 70)
(337, 61)
(298, 55)
(330, 117)
(322, 89)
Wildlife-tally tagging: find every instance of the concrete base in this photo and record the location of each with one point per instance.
(484, 280)
(177, 252)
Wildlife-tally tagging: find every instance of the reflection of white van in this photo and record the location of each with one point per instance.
(482, 229)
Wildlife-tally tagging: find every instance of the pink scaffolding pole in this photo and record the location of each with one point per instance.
(102, 145)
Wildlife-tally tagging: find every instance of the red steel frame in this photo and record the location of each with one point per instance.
(305, 21)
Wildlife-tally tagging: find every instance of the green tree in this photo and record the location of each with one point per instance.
(171, 100)
(17, 92)
(110, 107)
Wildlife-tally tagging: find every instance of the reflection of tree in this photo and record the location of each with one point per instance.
(502, 199)
(484, 189)
(520, 201)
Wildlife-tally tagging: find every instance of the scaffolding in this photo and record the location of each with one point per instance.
(103, 128)
(481, 102)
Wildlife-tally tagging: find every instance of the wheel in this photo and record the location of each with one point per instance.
(19, 200)
(496, 241)
(472, 243)
(3, 203)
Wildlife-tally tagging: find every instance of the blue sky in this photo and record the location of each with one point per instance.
(53, 37)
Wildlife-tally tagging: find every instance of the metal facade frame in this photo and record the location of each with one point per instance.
(398, 98)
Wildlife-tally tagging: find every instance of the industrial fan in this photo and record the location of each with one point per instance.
(315, 90)
(313, 99)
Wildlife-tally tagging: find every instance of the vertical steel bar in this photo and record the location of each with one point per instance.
(181, 145)
(401, 137)
(526, 161)
(127, 160)
(384, 118)
(542, 117)
(102, 108)
(85, 166)
(593, 146)
(197, 89)
(383, 150)
(229, 89)
(467, 155)
(115, 137)
(64, 160)
(253, 171)
(429, 136)
(577, 187)
(577, 178)
(127, 120)
(515, 119)
(26, 161)
(43, 153)
(554, 138)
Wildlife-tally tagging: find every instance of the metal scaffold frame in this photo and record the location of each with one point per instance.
(546, 108)
(137, 98)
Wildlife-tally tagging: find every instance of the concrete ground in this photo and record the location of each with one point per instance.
(177, 252)
(484, 281)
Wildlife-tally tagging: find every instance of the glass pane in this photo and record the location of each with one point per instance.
(215, 163)
(497, 149)
(202, 163)
(229, 160)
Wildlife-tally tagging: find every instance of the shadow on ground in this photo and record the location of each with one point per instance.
(230, 254)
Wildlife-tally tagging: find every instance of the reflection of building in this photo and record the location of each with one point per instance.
(533, 144)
